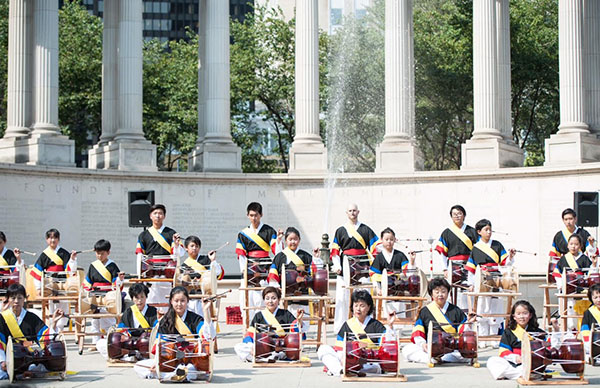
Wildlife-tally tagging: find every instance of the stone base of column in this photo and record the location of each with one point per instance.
(572, 148)
(39, 149)
(398, 157)
(123, 155)
(490, 153)
(307, 158)
(216, 157)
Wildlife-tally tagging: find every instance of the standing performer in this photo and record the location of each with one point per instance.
(53, 259)
(352, 239)
(490, 254)
(20, 324)
(199, 264)
(444, 315)
(256, 242)
(455, 245)
(103, 275)
(8, 257)
(158, 240)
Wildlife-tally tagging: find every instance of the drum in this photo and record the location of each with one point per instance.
(496, 279)
(91, 302)
(318, 282)
(457, 276)
(7, 278)
(356, 354)
(175, 350)
(267, 343)
(595, 346)
(537, 354)
(401, 284)
(124, 343)
(156, 267)
(20, 357)
(60, 284)
(551, 265)
(574, 283)
(355, 268)
(440, 343)
(257, 271)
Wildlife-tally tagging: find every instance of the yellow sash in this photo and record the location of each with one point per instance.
(53, 256)
(181, 326)
(257, 239)
(441, 318)
(159, 239)
(3, 261)
(194, 265)
(293, 257)
(488, 251)
(357, 328)
(519, 332)
(101, 268)
(595, 313)
(271, 320)
(566, 234)
(13, 325)
(352, 232)
(462, 236)
(571, 261)
(140, 317)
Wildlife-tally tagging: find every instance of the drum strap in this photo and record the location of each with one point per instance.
(441, 318)
(101, 268)
(293, 257)
(140, 317)
(352, 232)
(271, 320)
(194, 265)
(488, 251)
(566, 234)
(13, 325)
(519, 332)
(358, 330)
(257, 239)
(3, 261)
(159, 239)
(571, 261)
(462, 236)
(595, 313)
(181, 326)
(53, 256)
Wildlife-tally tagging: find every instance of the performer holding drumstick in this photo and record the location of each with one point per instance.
(560, 241)
(8, 257)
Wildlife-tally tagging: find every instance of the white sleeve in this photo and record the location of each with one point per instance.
(317, 261)
(389, 334)
(511, 358)
(470, 278)
(209, 330)
(179, 251)
(218, 268)
(419, 340)
(337, 265)
(2, 355)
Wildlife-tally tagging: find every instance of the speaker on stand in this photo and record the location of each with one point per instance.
(140, 203)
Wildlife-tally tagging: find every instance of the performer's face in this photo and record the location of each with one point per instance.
(458, 217)
(140, 300)
(352, 213)
(254, 217)
(439, 295)
(157, 216)
(522, 316)
(179, 303)
(360, 310)
(16, 302)
(2, 244)
(52, 241)
(271, 301)
(292, 241)
(388, 240)
(193, 249)
(570, 221)
(102, 255)
(596, 298)
(574, 246)
(485, 233)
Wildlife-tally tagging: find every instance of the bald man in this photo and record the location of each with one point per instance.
(352, 239)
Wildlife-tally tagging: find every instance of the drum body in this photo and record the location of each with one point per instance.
(7, 278)
(444, 343)
(551, 265)
(90, 302)
(458, 273)
(357, 354)
(121, 344)
(404, 285)
(158, 267)
(318, 282)
(53, 356)
(60, 284)
(267, 343)
(172, 353)
(359, 269)
(578, 283)
(537, 355)
(257, 271)
(595, 347)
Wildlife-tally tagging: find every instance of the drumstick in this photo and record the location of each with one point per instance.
(525, 252)
(216, 296)
(221, 247)
(84, 251)
(29, 253)
(498, 232)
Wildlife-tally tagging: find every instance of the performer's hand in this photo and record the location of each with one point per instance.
(73, 255)
(300, 268)
(299, 317)
(518, 359)
(591, 240)
(316, 252)
(391, 318)
(412, 256)
(58, 314)
(472, 317)
(177, 238)
(17, 253)
(471, 288)
(122, 276)
(300, 279)
(424, 346)
(511, 253)
(3, 365)
(206, 308)
(555, 325)
(445, 273)
(212, 255)
(279, 235)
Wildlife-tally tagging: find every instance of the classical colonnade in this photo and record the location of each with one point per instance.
(33, 135)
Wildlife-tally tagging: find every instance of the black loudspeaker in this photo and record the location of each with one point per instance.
(586, 207)
(140, 203)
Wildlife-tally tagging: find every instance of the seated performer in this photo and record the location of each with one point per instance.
(8, 257)
(574, 261)
(490, 254)
(591, 316)
(444, 315)
(102, 276)
(273, 316)
(17, 322)
(139, 315)
(361, 323)
(522, 320)
(196, 264)
(179, 320)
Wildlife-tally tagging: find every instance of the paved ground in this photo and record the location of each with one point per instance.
(90, 370)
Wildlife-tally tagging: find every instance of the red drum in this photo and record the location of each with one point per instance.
(318, 282)
(399, 285)
(595, 348)
(181, 351)
(257, 271)
(7, 278)
(121, 344)
(154, 268)
(459, 273)
(444, 343)
(357, 355)
(359, 268)
(267, 343)
(551, 265)
(577, 283)
(53, 356)
(569, 355)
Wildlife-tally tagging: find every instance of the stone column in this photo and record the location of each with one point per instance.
(124, 146)
(573, 144)
(307, 153)
(487, 148)
(504, 86)
(592, 63)
(398, 152)
(217, 152)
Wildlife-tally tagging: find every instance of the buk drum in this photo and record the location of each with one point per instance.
(440, 342)
(266, 343)
(373, 349)
(457, 275)
(356, 270)
(297, 283)
(123, 342)
(496, 279)
(175, 353)
(577, 283)
(205, 282)
(60, 284)
(257, 270)
(537, 354)
(11, 274)
(595, 345)
(157, 267)
(90, 302)
(411, 282)
(21, 355)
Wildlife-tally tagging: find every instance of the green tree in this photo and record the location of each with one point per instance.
(3, 63)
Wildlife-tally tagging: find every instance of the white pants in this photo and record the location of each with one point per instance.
(342, 304)
(101, 325)
(195, 305)
(64, 306)
(142, 368)
(415, 353)
(461, 299)
(489, 305)
(254, 297)
(502, 369)
(102, 347)
(333, 361)
(294, 308)
(244, 350)
(159, 293)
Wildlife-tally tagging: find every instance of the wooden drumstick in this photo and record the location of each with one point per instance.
(84, 251)
(216, 296)
(29, 253)
(221, 247)
(525, 252)
(498, 232)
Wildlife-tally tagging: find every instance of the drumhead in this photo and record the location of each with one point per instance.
(478, 280)
(384, 283)
(156, 356)
(283, 282)
(346, 271)
(10, 360)
(424, 283)
(429, 341)
(344, 354)
(526, 357)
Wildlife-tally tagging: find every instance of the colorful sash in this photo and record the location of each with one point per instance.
(566, 234)
(571, 261)
(271, 320)
(53, 256)
(352, 232)
(194, 265)
(595, 313)
(181, 326)
(3, 262)
(293, 257)
(257, 239)
(462, 236)
(140, 317)
(159, 239)
(519, 332)
(441, 318)
(101, 268)
(13, 325)
(488, 251)
(358, 330)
